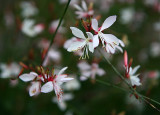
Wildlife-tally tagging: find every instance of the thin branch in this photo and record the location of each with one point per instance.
(57, 29)
(111, 85)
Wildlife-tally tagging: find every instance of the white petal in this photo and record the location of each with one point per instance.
(84, 6)
(58, 92)
(91, 49)
(75, 46)
(119, 48)
(34, 89)
(95, 41)
(121, 43)
(61, 71)
(83, 78)
(67, 79)
(27, 77)
(62, 78)
(135, 70)
(95, 25)
(83, 65)
(109, 38)
(135, 81)
(87, 73)
(108, 22)
(77, 32)
(33, 73)
(111, 49)
(78, 7)
(100, 72)
(47, 87)
(90, 35)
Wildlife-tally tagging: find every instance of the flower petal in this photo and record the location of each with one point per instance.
(47, 87)
(121, 43)
(95, 25)
(27, 77)
(108, 22)
(134, 70)
(111, 49)
(34, 89)
(119, 48)
(83, 65)
(90, 35)
(58, 92)
(109, 38)
(78, 7)
(84, 6)
(100, 72)
(61, 71)
(135, 81)
(95, 41)
(91, 49)
(77, 32)
(75, 46)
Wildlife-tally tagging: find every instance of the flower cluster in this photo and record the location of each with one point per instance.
(109, 42)
(49, 80)
(130, 72)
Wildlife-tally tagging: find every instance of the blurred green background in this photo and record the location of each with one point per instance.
(141, 35)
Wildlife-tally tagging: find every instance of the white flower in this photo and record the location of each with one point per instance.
(28, 76)
(53, 55)
(155, 49)
(109, 41)
(84, 11)
(34, 88)
(30, 29)
(69, 42)
(28, 9)
(55, 84)
(9, 70)
(63, 104)
(72, 85)
(35, 85)
(127, 15)
(83, 43)
(89, 71)
(134, 78)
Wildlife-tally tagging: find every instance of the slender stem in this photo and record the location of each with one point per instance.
(121, 76)
(150, 99)
(111, 85)
(57, 28)
(132, 89)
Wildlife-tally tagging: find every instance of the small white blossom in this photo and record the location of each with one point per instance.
(29, 28)
(9, 70)
(53, 55)
(89, 70)
(55, 84)
(109, 41)
(28, 9)
(127, 15)
(83, 43)
(63, 104)
(131, 73)
(83, 12)
(134, 78)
